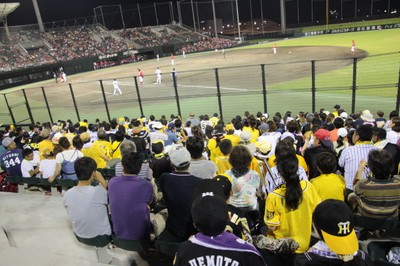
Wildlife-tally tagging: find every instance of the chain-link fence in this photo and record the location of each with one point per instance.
(356, 84)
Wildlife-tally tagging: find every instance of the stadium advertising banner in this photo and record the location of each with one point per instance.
(353, 29)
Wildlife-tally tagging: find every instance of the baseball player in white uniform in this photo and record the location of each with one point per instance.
(63, 77)
(158, 76)
(116, 87)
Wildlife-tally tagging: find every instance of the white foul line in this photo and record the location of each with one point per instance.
(212, 87)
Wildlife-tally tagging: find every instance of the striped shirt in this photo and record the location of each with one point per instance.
(275, 180)
(350, 159)
(378, 198)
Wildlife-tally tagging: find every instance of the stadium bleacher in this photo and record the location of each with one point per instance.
(31, 48)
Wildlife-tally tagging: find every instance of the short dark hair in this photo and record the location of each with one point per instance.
(364, 132)
(292, 126)
(26, 152)
(195, 146)
(393, 113)
(113, 124)
(225, 146)
(338, 122)
(71, 128)
(64, 143)
(136, 123)
(178, 123)
(326, 162)
(379, 132)
(84, 168)
(122, 129)
(380, 162)
(131, 163)
(238, 125)
(157, 147)
(77, 142)
(240, 158)
(119, 136)
(82, 129)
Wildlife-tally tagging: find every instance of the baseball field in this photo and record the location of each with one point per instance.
(287, 79)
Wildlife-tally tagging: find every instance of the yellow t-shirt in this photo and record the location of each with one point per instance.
(115, 148)
(235, 139)
(329, 186)
(97, 150)
(85, 152)
(214, 121)
(214, 149)
(254, 166)
(223, 164)
(293, 224)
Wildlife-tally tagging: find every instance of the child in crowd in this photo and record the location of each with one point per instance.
(48, 164)
(237, 224)
(328, 185)
(245, 182)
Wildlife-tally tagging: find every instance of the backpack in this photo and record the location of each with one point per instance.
(5, 185)
(141, 145)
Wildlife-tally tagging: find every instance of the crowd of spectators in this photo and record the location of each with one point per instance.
(69, 43)
(168, 37)
(11, 58)
(40, 57)
(145, 37)
(208, 43)
(279, 168)
(109, 45)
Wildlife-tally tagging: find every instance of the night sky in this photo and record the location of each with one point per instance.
(57, 10)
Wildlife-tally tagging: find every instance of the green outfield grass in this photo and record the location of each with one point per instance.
(373, 70)
(374, 42)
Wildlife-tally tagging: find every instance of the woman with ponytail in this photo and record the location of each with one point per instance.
(289, 208)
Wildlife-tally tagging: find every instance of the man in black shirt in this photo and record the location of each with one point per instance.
(177, 188)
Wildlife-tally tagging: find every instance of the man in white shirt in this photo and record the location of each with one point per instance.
(116, 87)
(158, 76)
(27, 169)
